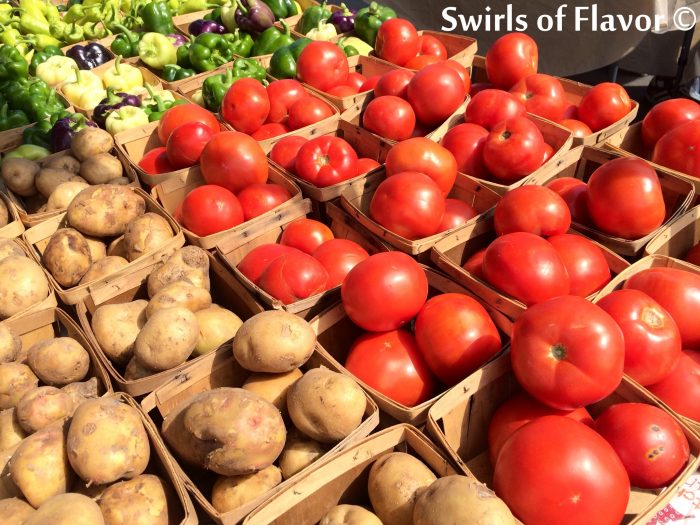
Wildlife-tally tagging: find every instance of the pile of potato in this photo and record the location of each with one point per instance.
(23, 282)
(5, 215)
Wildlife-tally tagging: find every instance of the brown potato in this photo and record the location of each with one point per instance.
(10, 344)
(190, 264)
(350, 515)
(116, 327)
(230, 493)
(4, 214)
(299, 452)
(9, 247)
(64, 194)
(42, 406)
(139, 501)
(81, 391)
(101, 168)
(11, 432)
(135, 370)
(179, 293)
(67, 509)
(59, 361)
(62, 162)
(103, 268)
(167, 339)
(48, 179)
(117, 248)
(146, 234)
(24, 285)
(89, 142)
(18, 175)
(14, 511)
(273, 387)
(67, 257)
(98, 249)
(8, 489)
(105, 210)
(15, 380)
(216, 326)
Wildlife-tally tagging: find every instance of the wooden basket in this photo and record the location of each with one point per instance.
(462, 49)
(336, 333)
(343, 479)
(678, 237)
(38, 237)
(459, 422)
(12, 138)
(220, 369)
(14, 227)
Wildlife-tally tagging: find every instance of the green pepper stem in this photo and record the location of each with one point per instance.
(117, 67)
(240, 5)
(285, 27)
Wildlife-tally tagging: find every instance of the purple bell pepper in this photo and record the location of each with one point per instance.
(177, 39)
(64, 129)
(89, 56)
(112, 102)
(253, 16)
(198, 27)
(344, 21)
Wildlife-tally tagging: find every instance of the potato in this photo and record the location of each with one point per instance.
(24, 284)
(15, 380)
(274, 342)
(103, 268)
(107, 441)
(459, 499)
(101, 168)
(59, 361)
(139, 501)
(117, 248)
(105, 210)
(4, 214)
(42, 406)
(10, 344)
(11, 432)
(190, 264)
(8, 489)
(98, 249)
(146, 234)
(227, 430)
(325, 405)
(273, 387)
(49, 179)
(230, 493)
(299, 452)
(39, 467)
(350, 515)
(81, 391)
(64, 194)
(167, 339)
(135, 370)
(62, 162)
(67, 257)
(67, 509)
(393, 482)
(179, 293)
(14, 511)
(116, 327)
(120, 181)
(18, 175)
(94, 492)
(9, 247)
(90, 142)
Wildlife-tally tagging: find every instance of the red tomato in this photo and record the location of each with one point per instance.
(306, 235)
(466, 143)
(356, 80)
(397, 41)
(479, 87)
(394, 83)
(525, 267)
(283, 94)
(178, 115)
(246, 105)
(625, 198)
(422, 61)
(435, 92)
(365, 165)
(548, 152)
(678, 292)
(681, 389)
(462, 72)
(456, 336)
(584, 261)
(285, 152)
(475, 264)
(390, 363)
(533, 209)
(650, 443)
(430, 45)
(338, 257)
(293, 276)
(693, 255)
(269, 130)
(542, 95)
(326, 160)
(257, 199)
(571, 113)
(233, 160)
(604, 105)
(186, 143)
(567, 352)
(514, 149)
(309, 110)
(678, 149)
(577, 128)
(574, 192)
(408, 204)
(665, 116)
(511, 58)
(457, 213)
(256, 260)
(652, 339)
(342, 91)
(210, 209)
(556, 470)
(389, 117)
(156, 161)
(370, 83)
(323, 65)
(425, 156)
(384, 291)
(492, 106)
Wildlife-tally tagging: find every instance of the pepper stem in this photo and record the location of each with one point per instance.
(240, 6)
(117, 66)
(285, 27)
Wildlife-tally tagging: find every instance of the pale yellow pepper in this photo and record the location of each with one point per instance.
(86, 91)
(122, 77)
(57, 70)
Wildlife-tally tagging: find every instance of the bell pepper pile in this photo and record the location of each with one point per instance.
(215, 87)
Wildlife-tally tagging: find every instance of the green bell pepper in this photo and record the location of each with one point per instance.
(13, 66)
(313, 16)
(42, 56)
(183, 55)
(215, 87)
(248, 68)
(173, 72)
(282, 8)
(28, 151)
(74, 34)
(271, 40)
(126, 43)
(157, 50)
(157, 18)
(159, 106)
(369, 19)
(209, 51)
(10, 36)
(38, 134)
(12, 118)
(283, 63)
(241, 43)
(214, 15)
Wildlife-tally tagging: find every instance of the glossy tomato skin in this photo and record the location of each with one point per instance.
(322, 65)
(665, 116)
(306, 111)
(389, 117)
(542, 95)
(422, 61)
(156, 161)
(490, 107)
(257, 199)
(466, 143)
(397, 41)
(210, 209)
(435, 92)
(338, 257)
(575, 194)
(511, 58)
(456, 214)
(514, 149)
(424, 156)
(269, 130)
(326, 160)
(625, 198)
(256, 260)
(584, 261)
(603, 105)
(567, 352)
(342, 91)
(282, 95)
(370, 83)
(430, 45)
(681, 389)
(285, 152)
(356, 80)
(233, 160)
(578, 129)
(678, 149)
(650, 443)
(293, 276)
(384, 292)
(408, 204)
(365, 165)
(533, 209)
(576, 479)
(462, 72)
(246, 105)
(391, 363)
(306, 235)
(178, 115)
(475, 264)
(394, 83)
(693, 255)
(186, 143)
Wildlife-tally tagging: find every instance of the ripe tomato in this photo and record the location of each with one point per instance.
(548, 153)
(479, 87)
(390, 363)
(306, 235)
(466, 143)
(370, 83)
(210, 209)
(246, 105)
(285, 152)
(457, 213)
(323, 65)
(678, 292)
(533, 209)
(678, 149)
(492, 106)
(650, 443)
(574, 192)
(282, 95)
(625, 198)
(584, 261)
(456, 336)
(430, 45)
(269, 130)
(408, 204)
(186, 143)
(567, 352)
(578, 129)
(681, 389)
(435, 92)
(525, 267)
(365, 165)
(356, 80)
(422, 61)
(511, 58)
(384, 291)
(693, 255)
(394, 83)
(389, 117)
(342, 91)
(462, 72)
(397, 41)
(475, 264)
(542, 95)
(425, 156)
(514, 149)
(178, 115)
(604, 105)
(233, 160)
(338, 257)
(308, 110)
(256, 260)
(257, 199)
(293, 276)
(156, 161)
(665, 116)
(326, 160)
(576, 479)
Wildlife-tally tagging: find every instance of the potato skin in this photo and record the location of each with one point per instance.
(216, 326)
(299, 452)
(62, 162)
(117, 247)
(10, 344)
(190, 264)
(4, 214)
(59, 361)
(103, 268)
(350, 515)
(19, 175)
(230, 493)
(116, 327)
(67, 509)
(24, 285)
(105, 210)
(167, 339)
(15, 380)
(101, 168)
(11, 432)
(139, 501)
(9, 247)
(8, 489)
(81, 391)
(179, 293)
(135, 370)
(273, 387)
(98, 249)
(14, 511)
(146, 234)
(67, 257)
(90, 141)
(43, 406)
(64, 194)
(49, 179)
